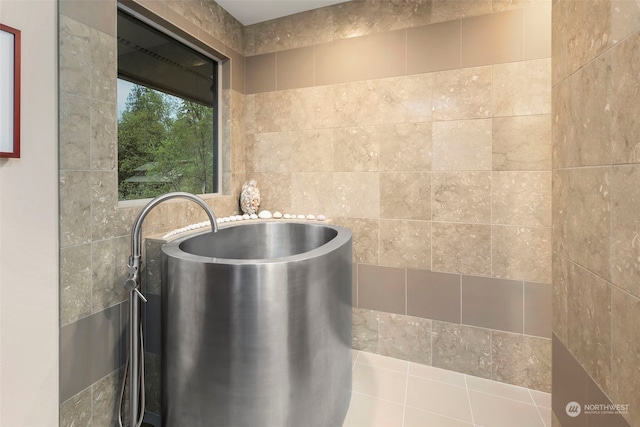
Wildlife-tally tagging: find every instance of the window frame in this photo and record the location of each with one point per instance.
(171, 30)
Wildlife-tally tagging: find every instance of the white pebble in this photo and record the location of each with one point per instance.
(264, 215)
(238, 217)
(253, 216)
(226, 219)
(321, 217)
(233, 218)
(246, 216)
(219, 220)
(300, 217)
(311, 217)
(277, 215)
(287, 216)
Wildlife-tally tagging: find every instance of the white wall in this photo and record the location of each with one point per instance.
(29, 230)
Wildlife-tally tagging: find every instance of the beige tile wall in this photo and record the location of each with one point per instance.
(595, 204)
(429, 137)
(94, 228)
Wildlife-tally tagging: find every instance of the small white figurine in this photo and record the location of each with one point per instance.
(250, 197)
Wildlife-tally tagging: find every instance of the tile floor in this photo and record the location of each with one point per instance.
(390, 392)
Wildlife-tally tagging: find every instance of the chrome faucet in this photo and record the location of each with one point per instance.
(135, 362)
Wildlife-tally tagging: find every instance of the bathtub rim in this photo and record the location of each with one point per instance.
(343, 236)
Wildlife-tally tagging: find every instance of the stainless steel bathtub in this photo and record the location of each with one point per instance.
(256, 327)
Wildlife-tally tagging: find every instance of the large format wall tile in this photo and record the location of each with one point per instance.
(405, 195)
(461, 197)
(445, 10)
(492, 303)
(405, 147)
(522, 143)
(461, 248)
(589, 125)
(312, 150)
(521, 360)
(589, 323)
(365, 238)
(522, 88)
(405, 244)
(109, 261)
(493, 38)
(585, 42)
(77, 410)
(433, 47)
(463, 93)
(356, 149)
(521, 253)
(433, 295)
(75, 132)
(462, 145)
(625, 227)
(625, 342)
(625, 127)
(521, 198)
(559, 296)
(75, 57)
(405, 337)
(75, 208)
(75, 283)
(462, 348)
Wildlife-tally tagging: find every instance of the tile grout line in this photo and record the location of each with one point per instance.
(473, 421)
(537, 409)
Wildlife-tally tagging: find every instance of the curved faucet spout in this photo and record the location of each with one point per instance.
(136, 363)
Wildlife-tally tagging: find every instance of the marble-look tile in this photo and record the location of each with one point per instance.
(522, 88)
(461, 248)
(75, 285)
(625, 349)
(405, 244)
(500, 5)
(587, 218)
(588, 125)
(589, 323)
(405, 337)
(625, 19)
(522, 143)
(75, 132)
(445, 10)
(395, 15)
(585, 42)
(75, 208)
(521, 253)
(521, 198)
(405, 195)
(268, 152)
(104, 136)
(461, 196)
(277, 190)
(405, 99)
(521, 360)
(77, 411)
(560, 277)
(312, 192)
(269, 112)
(355, 149)
(365, 234)
(272, 35)
(625, 228)
(104, 51)
(312, 150)
(559, 126)
(152, 382)
(462, 145)
(625, 127)
(109, 261)
(74, 57)
(405, 147)
(152, 267)
(365, 330)
(307, 26)
(461, 348)
(107, 220)
(356, 194)
(355, 18)
(462, 94)
(559, 41)
(105, 399)
(311, 108)
(559, 199)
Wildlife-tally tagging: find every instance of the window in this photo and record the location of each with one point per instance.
(167, 114)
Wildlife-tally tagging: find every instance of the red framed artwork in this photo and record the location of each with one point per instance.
(9, 92)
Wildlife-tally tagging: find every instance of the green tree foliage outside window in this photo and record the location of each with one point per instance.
(165, 144)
